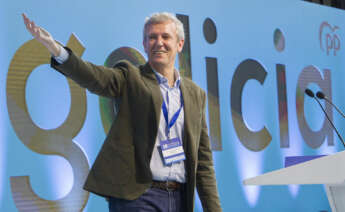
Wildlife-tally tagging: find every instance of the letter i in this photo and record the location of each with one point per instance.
(210, 34)
(279, 44)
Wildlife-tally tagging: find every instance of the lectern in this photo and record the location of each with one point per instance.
(328, 170)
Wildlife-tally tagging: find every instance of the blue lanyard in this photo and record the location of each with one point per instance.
(175, 116)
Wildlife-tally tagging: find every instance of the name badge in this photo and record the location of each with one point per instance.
(172, 151)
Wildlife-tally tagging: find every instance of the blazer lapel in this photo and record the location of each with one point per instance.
(188, 143)
(150, 80)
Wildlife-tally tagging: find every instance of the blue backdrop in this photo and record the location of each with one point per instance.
(245, 30)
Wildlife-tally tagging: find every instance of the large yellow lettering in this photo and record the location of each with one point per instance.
(49, 142)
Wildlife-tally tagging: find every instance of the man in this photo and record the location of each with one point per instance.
(157, 150)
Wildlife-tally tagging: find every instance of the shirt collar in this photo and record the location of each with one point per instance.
(163, 80)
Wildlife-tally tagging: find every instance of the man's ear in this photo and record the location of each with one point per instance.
(180, 46)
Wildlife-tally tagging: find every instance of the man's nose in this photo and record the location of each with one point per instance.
(159, 41)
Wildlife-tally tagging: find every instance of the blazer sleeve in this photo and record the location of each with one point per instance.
(205, 176)
(101, 80)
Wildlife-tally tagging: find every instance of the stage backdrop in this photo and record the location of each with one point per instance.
(254, 59)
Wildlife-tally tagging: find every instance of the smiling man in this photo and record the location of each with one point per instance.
(157, 150)
(162, 43)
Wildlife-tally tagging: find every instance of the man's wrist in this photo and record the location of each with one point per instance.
(62, 56)
(54, 49)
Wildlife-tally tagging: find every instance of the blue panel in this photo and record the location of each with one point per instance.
(245, 31)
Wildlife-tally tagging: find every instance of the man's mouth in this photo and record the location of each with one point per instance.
(158, 52)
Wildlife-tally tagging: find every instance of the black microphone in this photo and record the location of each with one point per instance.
(321, 95)
(311, 94)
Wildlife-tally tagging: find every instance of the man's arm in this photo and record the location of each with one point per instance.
(97, 79)
(101, 80)
(205, 176)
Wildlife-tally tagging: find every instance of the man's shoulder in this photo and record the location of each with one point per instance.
(137, 68)
(192, 85)
(126, 64)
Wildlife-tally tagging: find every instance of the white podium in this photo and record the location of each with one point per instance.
(328, 170)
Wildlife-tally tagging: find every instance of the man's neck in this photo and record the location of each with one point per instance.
(168, 73)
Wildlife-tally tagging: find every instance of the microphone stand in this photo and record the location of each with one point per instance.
(320, 95)
(335, 129)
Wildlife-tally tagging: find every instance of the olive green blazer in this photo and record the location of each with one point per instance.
(122, 167)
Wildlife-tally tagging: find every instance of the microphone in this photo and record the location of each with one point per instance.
(311, 94)
(321, 95)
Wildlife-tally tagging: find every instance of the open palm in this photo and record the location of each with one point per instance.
(41, 35)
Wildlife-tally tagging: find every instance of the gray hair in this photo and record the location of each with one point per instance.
(162, 17)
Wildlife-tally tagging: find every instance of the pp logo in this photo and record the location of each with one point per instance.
(329, 40)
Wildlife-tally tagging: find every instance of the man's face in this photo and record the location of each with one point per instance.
(161, 44)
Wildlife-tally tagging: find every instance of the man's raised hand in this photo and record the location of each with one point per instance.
(42, 36)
